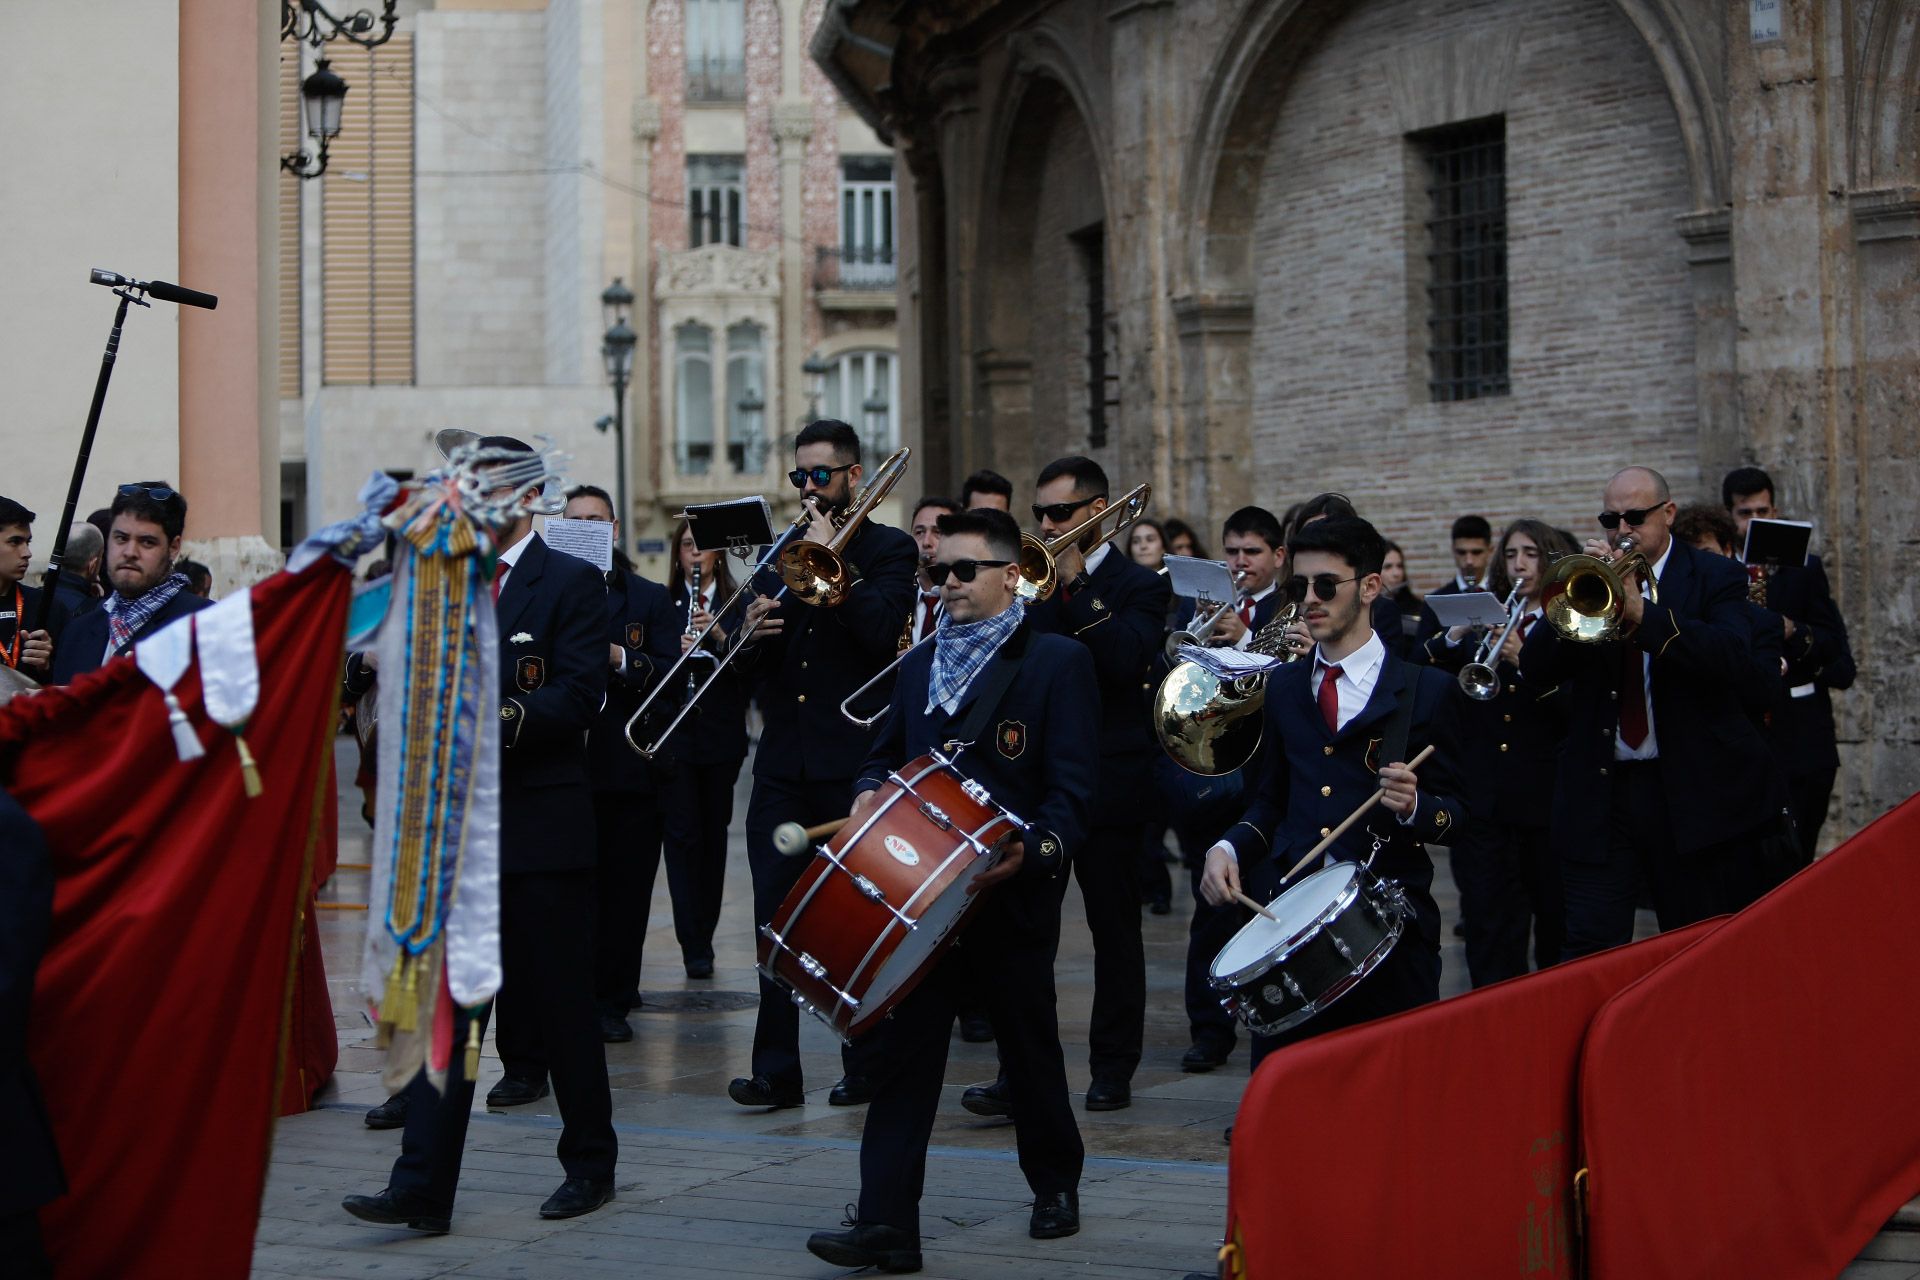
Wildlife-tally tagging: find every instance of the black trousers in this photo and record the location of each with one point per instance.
(21, 1245)
(1005, 959)
(776, 1032)
(1109, 874)
(1686, 888)
(697, 805)
(1408, 978)
(546, 956)
(627, 827)
(1509, 889)
(1210, 929)
(1810, 794)
(1156, 881)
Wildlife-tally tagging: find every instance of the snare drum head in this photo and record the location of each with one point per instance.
(1261, 941)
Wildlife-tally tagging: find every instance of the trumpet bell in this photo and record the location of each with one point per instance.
(1480, 682)
(1208, 726)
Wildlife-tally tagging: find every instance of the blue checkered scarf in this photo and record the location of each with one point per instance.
(962, 651)
(126, 617)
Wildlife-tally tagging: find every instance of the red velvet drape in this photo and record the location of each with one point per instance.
(162, 1006)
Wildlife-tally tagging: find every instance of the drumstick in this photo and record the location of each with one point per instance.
(1253, 906)
(792, 839)
(1351, 818)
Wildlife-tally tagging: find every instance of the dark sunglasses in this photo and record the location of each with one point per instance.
(961, 569)
(1636, 517)
(821, 476)
(1325, 585)
(159, 493)
(1059, 511)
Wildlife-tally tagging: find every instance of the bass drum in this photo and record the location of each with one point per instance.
(876, 908)
(1333, 929)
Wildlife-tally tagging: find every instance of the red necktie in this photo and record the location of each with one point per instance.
(1633, 698)
(1330, 697)
(500, 568)
(929, 603)
(1246, 613)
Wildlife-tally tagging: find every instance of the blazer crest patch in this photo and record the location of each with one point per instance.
(1011, 738)
(530, 672)
(636, 634)
(1373, 754)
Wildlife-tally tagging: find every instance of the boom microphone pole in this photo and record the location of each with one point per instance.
(128, 290)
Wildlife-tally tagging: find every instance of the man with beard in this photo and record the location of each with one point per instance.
(143, 548)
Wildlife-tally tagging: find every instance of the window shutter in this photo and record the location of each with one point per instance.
(291, 141)
(366, 254)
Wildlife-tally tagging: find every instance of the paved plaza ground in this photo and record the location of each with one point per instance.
(706, 1188)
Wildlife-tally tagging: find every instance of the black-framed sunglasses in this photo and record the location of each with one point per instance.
(964, 570)
(1636, 517)
(1059, 511)
(159, 493)
(821, 476)
(1324, 585)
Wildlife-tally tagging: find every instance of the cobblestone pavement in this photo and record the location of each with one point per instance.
(706, 1188)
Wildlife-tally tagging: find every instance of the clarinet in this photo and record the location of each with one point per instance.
(693, 607)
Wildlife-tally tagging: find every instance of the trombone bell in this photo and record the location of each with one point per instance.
(1039, 572)
(816, 572)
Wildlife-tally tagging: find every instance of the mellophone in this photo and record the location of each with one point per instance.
(874, 912)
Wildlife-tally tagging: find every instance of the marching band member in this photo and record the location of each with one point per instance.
(1663, 776)
(1032, 743)
(925, 531)
(1472, 541)
(809, 658)
(1339, 727)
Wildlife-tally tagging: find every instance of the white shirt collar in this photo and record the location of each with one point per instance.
(1098, 557)
(1362, 664)
(1262, 593)
(1660, 565)
(511, 556)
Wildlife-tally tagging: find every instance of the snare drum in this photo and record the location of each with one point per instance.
(874, 910)
(1334, 927)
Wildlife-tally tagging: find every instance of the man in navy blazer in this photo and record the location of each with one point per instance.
(1328, 721)
(808, 659)
(1819, 660)
(550, 610)
(143, 546)
(1034, 751)
(1118, 610)
(1664, 775)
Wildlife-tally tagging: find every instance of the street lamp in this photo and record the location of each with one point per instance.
(309, 22)
(322, 95)
(616, 349)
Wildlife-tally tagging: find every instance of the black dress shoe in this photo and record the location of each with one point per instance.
(990, 1100)
(391, 1114)
(1055, 1214)
(1227, 1137)
(400, 1209)
(577, 1196)
(976, 1028)
(758, 1091)
(1204, 1055)
(700, 968)
(614, 1030)
(1109, 1095)
(514, 1092)
(867, 1245)
(852, 1091)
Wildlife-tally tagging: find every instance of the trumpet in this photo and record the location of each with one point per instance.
(1204, 631)
(1478, 679)
(816, 572)
(1040, 575)
(1584, 597)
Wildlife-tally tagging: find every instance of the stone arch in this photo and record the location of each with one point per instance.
(1886, 107)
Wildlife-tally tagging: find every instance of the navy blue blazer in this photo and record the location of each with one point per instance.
(825, 654)
(83, 645)
(1121, 619)
(716, 732)
(30, 1175)
(1038, 757)
(1511, 743)
(552, 683)
(57, 618)
(643, 622)
(1314, 778)
(1818, 654)
(1707, 682)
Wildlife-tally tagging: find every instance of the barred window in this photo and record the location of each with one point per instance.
(1466, 222)
(715, 196)
(716, 51)
(866, 221)
(693, 395)
(1102, 335)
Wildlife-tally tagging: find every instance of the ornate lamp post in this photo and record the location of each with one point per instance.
(322, 95)
(616, 349)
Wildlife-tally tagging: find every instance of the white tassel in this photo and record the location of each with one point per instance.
(185, 741)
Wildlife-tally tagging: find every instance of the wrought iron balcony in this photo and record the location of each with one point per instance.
(862, 270)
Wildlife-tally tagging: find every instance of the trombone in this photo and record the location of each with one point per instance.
(816, 572)
(1584, 597)
(1040, 575)
(1478, 679)
(1204, 631)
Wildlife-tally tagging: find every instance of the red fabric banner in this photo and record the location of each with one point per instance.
(1749, 1108)
(161, 1010)
(1439, 1143)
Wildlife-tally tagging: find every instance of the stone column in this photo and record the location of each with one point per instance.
(925, 368)
(792, 126)
(645, 428)
(229, 409)
(956, 127)
(1211, 475)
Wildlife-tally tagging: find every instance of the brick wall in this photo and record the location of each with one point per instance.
(1600, 309)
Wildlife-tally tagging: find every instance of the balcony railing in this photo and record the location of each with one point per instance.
(717, 82)
(858, 270)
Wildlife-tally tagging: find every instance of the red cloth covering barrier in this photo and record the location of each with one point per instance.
(161, 1011)
(1749, 1108)
(1438, 1143)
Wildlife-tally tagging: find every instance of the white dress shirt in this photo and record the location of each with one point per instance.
(1650, 749)
(1098, 557)
(511, 557)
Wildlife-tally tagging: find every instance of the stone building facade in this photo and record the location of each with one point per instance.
(501, 162)
(1243, 249)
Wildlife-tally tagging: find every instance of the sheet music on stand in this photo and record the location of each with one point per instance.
(1195, 579)
(740, 525)
(1230, 664)
(1777, 543)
